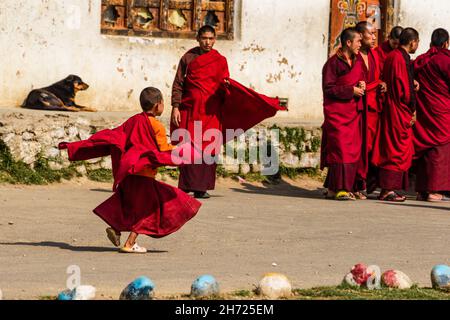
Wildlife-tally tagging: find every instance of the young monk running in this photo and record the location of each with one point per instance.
(140, 204)
(393, 149)
(432, 129)
(342, 137)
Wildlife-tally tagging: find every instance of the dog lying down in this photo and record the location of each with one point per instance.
(60, 96)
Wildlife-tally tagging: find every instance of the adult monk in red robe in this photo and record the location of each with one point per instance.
(374, 89)
(393, 150)
(342, 130)
(389, 45)
(432, 129)
(202, 93)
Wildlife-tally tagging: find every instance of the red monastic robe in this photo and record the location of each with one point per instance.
(140, 204)
(372, 98)
(342, 130)
(383, 51)
(432, 129)
(393, 150)
(207, 98)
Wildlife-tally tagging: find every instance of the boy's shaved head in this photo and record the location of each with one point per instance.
(149, 97)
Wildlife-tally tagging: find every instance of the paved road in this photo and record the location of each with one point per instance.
(241, 233)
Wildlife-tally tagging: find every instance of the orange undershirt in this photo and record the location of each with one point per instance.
(161, 141)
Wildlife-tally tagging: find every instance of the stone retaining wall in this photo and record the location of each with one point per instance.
(34, 134)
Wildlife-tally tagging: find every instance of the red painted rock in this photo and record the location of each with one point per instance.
(396, 279)
(360, 274)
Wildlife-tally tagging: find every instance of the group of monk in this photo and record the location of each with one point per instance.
(386, 116)
(382, 110)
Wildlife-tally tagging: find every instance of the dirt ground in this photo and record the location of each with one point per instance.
(242, 232)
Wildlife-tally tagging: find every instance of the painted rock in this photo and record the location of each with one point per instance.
(205, 285)
(396, 279)
(141, 288)
(66, 295)
(440, 276)
(349, 280)
(84, 293)
(359, 272)
(78, 293)
(274, 286)
(357, 275)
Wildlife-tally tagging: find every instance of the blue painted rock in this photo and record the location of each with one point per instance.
(396, 279)
(141, 288)
(66, 294)
(275, 285)
(204, 286)
(440, 277)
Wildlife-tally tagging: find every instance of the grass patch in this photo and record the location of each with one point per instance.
(243, 293)
(18, 172)
(100, 175)
(293, 173)
(173, 173)
(47, 298)
(346, 293)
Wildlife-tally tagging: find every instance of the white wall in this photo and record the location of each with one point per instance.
(279, 49)
(425, 16)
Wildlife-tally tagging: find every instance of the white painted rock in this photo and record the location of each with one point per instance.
(350, 280)
(440, 276)
(141, 288)
(84, 293)
(204, 286)
(396, 279)
(274, 286)
(78, 293)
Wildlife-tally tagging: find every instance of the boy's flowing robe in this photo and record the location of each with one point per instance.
(140, 204)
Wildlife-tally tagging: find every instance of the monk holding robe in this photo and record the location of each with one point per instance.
(393, 149)
(342, 131)
(432, 129)
(203, 96)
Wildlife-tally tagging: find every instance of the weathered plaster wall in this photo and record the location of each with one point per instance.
(425, 16)
(279, 49)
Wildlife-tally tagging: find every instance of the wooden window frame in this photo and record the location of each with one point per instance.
(125, 25)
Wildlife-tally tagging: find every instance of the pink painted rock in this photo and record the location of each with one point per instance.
(359, 272)
(396, 279)
(358, 275)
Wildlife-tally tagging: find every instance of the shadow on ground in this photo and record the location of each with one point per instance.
(282, 189)
(66, 246)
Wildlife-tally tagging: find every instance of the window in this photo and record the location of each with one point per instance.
(166, 18)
